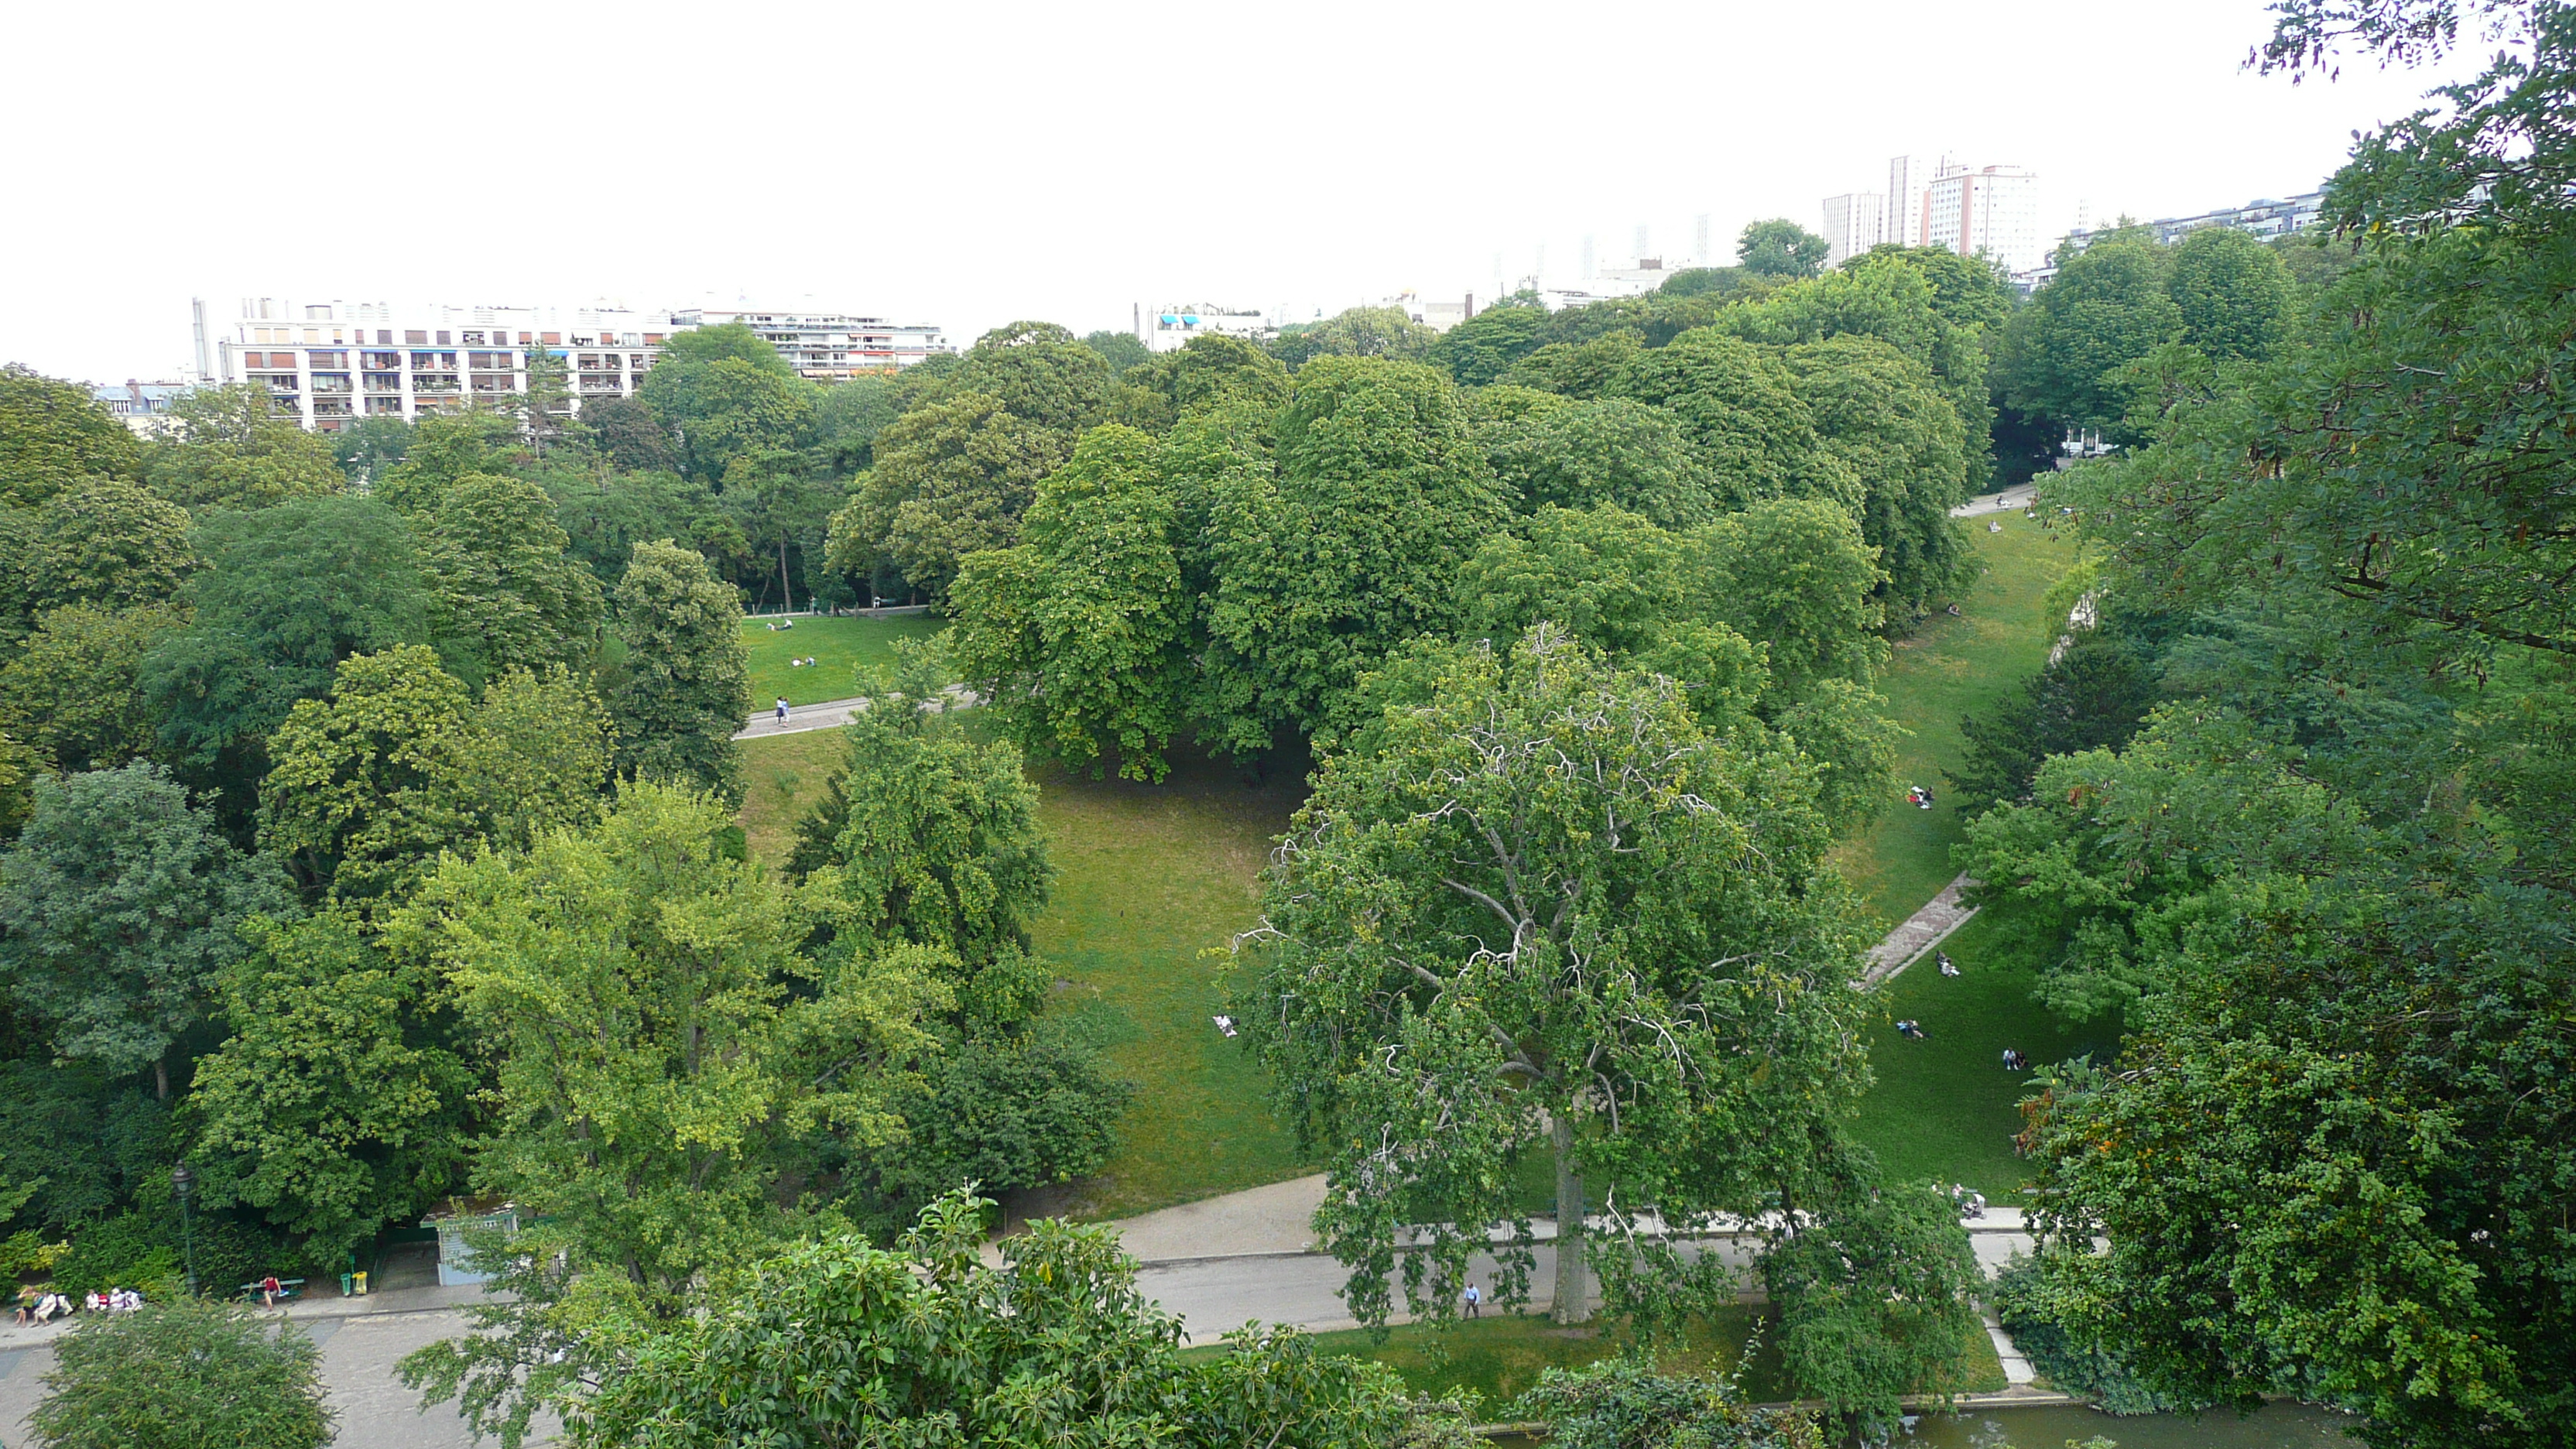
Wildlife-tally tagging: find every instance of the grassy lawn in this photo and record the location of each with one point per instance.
(783, 774)
(838, 647)
(1950, 668)
(1500, 1357)
(1150, 879)
(1944, 1108)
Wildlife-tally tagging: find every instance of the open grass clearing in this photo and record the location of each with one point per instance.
(1499, 1357)
(1950, 668)
(1944, 1108)
(838, 647)
(1152, 880)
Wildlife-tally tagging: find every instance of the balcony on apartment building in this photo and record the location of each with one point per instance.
(384, 406)
(380, 361)
(428, 385)
(332, 382)
(384, 382)
(332, 407)
(433, 362)
(493, 386)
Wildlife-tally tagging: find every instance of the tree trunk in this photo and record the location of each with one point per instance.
(161, 1077)
(786, 593)
(1573, 1286)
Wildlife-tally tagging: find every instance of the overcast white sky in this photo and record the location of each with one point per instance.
(965, 164)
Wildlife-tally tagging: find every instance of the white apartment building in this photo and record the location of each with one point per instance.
(329, 362)
(1901, 210)
(1169, 329)
(1854, 222)
(827, 346)
(1992, 212)
(142, 406)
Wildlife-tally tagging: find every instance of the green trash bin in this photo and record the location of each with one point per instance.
(348, 1285)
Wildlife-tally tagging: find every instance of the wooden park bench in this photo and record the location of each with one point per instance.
(286, 1288)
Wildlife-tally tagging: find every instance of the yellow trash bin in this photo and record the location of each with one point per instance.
(362, 1283)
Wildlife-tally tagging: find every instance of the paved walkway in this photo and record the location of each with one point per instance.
(831, 714)
(1919, 933)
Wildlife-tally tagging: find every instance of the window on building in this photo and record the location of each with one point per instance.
(415, 336)
(330, 359)
(442, 339)
(551, 339)
(473, 339)
(652, 339)
(384, 337)
(317, 314)
(525, 339)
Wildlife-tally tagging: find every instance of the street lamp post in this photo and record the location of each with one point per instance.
(182, 1180)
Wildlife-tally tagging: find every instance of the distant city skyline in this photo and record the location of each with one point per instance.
(1006, 184)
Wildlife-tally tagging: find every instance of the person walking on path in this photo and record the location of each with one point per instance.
(782, 709)
(1474, 1300)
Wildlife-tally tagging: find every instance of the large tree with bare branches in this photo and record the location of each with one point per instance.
(1534, 908)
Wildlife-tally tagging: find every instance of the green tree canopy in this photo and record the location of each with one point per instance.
(1356, 332)
(1614, 451)
(1078, 638)
(288, 592)
(687, 681)
(185, 1375)
(1739, 405)
(74, 689)
(1482, 348)
(333, 1108)
(228, 448)
(1380, 492)
(1204, 372)
(664, 1055)
(950, 479)
(118, 910)
(446, 448)
(1884, 417)
(2062, 354)
(2233, 293)
(847, 418)
(1537, 909)
(1585, 369)
(1120, 350)
(370, 785)
(840, 1341)
(724, 391)
(99, 541)
(503, 594)
(370, 446)
(1780, 248)
(52, 435)
(1041, 375)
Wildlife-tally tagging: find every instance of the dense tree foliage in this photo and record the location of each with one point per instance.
(230, 449)
(842, 1343)
(53, 436)
(2328, 883)
(186, 1375)
(685, 690)
(1344, 551)
(335, 1108)
(1780, 248)
(288, 592)
(1077, 637)
(119, 905)
(1534, 908)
